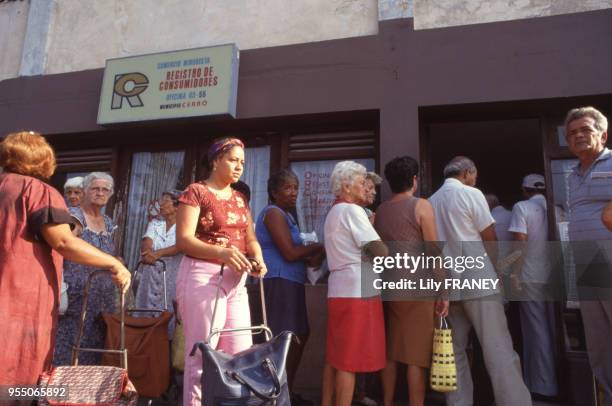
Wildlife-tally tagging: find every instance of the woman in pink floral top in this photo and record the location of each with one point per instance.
(214, 227)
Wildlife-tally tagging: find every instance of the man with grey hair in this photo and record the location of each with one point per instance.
(590, 190)
(463, 221)
(463, 169)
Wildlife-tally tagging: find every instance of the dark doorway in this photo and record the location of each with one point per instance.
(504, 152)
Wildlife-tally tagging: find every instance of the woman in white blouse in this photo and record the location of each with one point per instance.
(159, 243)
(355, 325)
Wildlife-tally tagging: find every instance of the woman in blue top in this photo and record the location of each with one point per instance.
(285, 256)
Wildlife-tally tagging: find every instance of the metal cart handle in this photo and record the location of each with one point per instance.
(254, 329)
(138, 265)
(76, 348)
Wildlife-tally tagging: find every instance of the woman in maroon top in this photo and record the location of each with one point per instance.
(35, 234)
(214, 227)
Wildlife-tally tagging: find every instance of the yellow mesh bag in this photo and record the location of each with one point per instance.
(443, 372)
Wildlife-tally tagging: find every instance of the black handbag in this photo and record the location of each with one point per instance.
(256, 376)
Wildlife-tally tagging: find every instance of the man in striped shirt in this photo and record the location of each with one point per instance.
(590, 190)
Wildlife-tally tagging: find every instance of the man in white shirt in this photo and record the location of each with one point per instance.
(529, 226)
(502, 217)
(463, 220)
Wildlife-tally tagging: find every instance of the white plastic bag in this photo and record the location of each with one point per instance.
(313, 274)
(309, 238)
(63, 306)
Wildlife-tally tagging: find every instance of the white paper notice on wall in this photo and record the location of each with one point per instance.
(315, 197)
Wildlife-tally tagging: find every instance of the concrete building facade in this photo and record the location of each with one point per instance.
(320, 81)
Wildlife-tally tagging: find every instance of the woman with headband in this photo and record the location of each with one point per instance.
(214, 227)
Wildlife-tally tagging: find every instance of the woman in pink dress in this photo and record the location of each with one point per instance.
(34, 237)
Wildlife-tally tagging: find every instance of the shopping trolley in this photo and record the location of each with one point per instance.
(147, 343)
(253, 376)
(95, 384)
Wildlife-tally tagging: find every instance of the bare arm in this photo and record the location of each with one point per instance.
(376, 249)
(521, 244)
(488, 234)
(254, 249)
(426, 218)
(146, 251)
(489, 237)
(186, 241)
(150, 257)
(425, 215)
(276, 225)
(166, 252)
(606, 216)
(60, 238)
(146, 245)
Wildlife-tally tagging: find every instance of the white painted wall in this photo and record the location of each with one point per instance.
(84, 33)
(445, 13)
(73, 35)
(13, 20)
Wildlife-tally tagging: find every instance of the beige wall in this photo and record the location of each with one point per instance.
(13, 20)
(83, 34)
(445, 13)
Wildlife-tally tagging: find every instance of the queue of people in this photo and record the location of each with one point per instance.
(208, 228)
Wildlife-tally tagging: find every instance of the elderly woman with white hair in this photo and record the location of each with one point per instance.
(97, 229)
(73, 190)
(355, 325)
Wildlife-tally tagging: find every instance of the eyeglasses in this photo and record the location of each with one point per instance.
(104, 190)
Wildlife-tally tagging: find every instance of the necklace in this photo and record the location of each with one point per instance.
(224, 194)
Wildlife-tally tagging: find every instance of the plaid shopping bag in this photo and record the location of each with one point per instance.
(91, 385)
